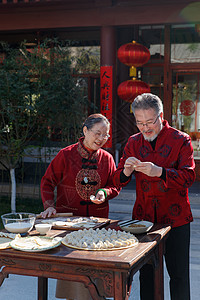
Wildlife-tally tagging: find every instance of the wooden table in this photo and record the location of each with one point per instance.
(116, 268)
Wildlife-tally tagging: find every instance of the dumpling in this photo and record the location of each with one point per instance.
(117, 244)
(84, 245)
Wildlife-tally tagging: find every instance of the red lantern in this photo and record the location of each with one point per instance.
(133, 54)
(130, 89)
(2, 57)
(187, 107)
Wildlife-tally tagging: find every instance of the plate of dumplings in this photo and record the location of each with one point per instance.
(99, 239)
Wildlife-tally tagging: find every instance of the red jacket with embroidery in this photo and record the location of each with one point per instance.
(77, 174)
(166, 201)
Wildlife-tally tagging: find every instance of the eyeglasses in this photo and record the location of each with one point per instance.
(100, 135)
(148, 124)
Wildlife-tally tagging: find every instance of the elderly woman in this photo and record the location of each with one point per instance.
(79, 171)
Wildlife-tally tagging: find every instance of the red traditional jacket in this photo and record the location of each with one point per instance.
(78, 174)
(167, 201)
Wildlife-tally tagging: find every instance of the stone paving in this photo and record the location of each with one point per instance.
(25, 288)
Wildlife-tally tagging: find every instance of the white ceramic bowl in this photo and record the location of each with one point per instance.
(43, 228)
(18, 222)
(137, 228)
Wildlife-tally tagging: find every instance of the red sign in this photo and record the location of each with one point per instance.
(106, 95)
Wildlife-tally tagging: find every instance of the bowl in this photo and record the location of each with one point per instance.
(43, 228)
(138, 227)
(18, 222)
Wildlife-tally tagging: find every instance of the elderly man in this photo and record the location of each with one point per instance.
(161, 158)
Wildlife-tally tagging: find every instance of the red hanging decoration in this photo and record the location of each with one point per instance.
(2, 57)
(133, 54)
(187, 107)
(130, 89)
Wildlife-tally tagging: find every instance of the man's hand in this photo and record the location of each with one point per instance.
(149, 169)
(130, 165)
(48, 212)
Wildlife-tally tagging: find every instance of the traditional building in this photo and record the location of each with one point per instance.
(169, 29)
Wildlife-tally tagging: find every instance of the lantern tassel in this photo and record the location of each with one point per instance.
(133, 71)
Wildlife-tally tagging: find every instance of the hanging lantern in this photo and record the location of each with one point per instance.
(2, 57)
(133, 54)
(130, 89)
(187, 107)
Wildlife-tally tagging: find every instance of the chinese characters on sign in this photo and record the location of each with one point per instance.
(106, 97)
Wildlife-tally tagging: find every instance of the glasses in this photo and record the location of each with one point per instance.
(148, 124)
(100, 135)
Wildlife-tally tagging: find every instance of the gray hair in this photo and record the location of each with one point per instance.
(147, 101)
(94, 119)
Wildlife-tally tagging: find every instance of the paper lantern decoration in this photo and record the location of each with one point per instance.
(130, 89)
(133, 54)
(2, 57)
(187, 107)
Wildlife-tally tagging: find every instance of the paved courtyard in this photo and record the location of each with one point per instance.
(25, 288)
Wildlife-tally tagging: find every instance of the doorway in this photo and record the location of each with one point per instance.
(186, 105)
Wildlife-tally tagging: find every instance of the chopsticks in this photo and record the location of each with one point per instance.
(127, 222)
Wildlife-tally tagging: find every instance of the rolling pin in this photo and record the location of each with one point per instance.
(57, 215)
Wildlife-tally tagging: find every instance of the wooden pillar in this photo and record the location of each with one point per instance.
(108, 58)
(167, 101)
(108, 46)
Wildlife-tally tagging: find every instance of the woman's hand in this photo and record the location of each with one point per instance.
(48, 212)
(99, 198)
